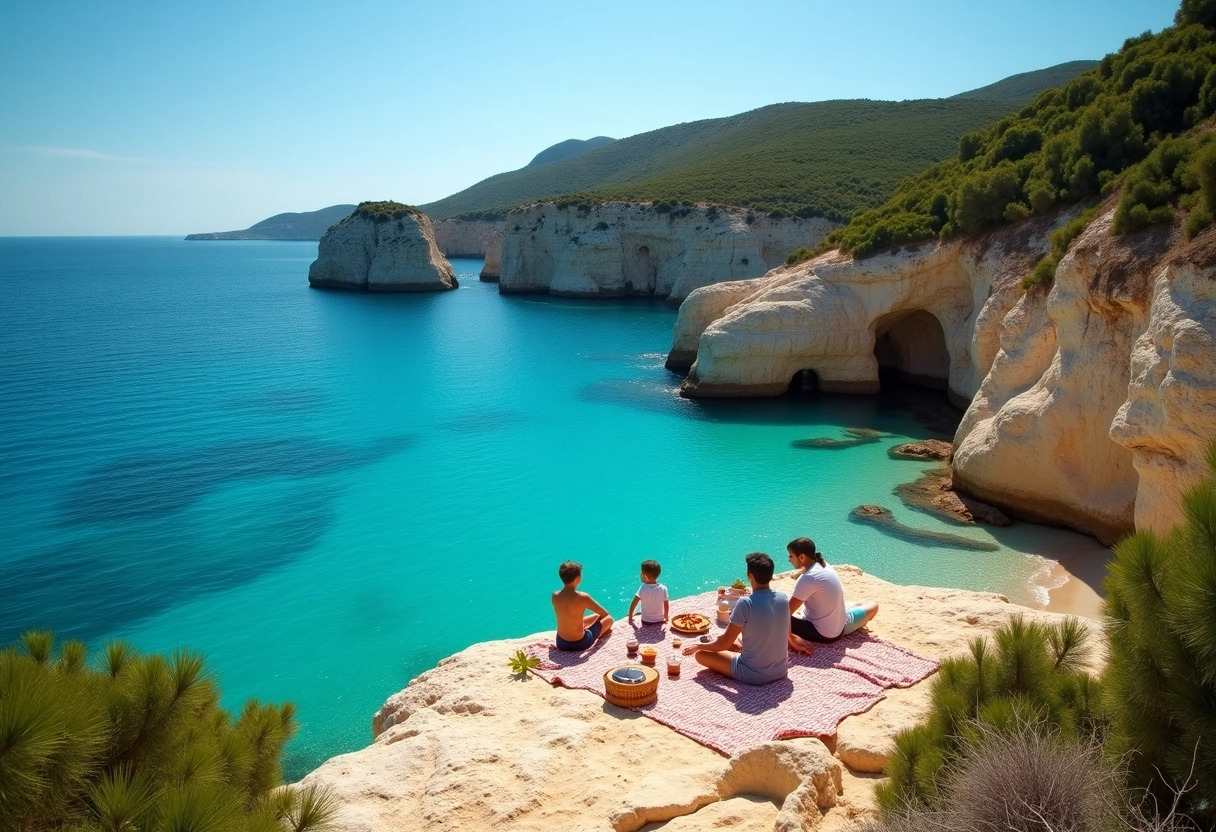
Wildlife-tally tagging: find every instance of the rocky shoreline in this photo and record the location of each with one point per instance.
(471, 747)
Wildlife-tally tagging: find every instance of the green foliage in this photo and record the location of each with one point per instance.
(521, 662)
(1021, 779)
(1044, 273)
(799, 255)
(1120, 119)
(1160, 682)
(829, 159)
(1028, 677)
(384, 211)
(137, 742)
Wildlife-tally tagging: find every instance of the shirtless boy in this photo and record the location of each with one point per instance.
(576, 631)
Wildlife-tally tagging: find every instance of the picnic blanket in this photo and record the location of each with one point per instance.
(841, 679)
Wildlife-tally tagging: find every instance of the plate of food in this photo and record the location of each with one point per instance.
(692, 623)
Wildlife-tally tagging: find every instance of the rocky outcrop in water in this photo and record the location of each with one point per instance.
(639, 250)
(492, 268)
(1089, 405)
(388, 251)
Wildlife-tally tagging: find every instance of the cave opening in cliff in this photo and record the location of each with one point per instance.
(804, 383)
(910, 347)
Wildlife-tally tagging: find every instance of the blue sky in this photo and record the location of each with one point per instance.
(154, 118)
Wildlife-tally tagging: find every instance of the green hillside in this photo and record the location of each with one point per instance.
(1023, 87)
(310, 225)
(829, 158)
(569, 149)
(1139, 121)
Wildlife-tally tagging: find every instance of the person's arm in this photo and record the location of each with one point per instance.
(723, 642)
(795, 603)
(633, 606)
(594, 606)
(666, 609)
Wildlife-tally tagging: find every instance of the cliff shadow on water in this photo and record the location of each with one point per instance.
(863, 419)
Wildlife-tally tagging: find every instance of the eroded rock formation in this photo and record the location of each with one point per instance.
(391, 255)
(1089, 405)
(625, 250)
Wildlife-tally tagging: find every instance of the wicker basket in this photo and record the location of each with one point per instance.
(632, 695)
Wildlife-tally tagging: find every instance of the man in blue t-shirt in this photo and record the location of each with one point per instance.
(763, 619)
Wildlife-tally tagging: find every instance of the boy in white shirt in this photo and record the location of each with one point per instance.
(652, 595)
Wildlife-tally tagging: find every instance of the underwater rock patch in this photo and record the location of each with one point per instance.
(882, 519)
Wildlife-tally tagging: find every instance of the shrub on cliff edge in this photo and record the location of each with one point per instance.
(138, 743)
(1029, 677)
(1161, 674)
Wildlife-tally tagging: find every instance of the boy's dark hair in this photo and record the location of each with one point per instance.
(569, 570)
(760, 566)
(805, 546)
(651, 568)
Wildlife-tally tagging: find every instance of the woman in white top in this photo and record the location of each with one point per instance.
(818, 592)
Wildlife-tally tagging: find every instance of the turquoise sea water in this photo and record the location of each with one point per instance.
(327, 492)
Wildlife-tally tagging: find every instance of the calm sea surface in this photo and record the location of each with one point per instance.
(327, 492)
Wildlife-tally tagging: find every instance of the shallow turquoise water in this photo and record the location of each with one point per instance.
(328, 492)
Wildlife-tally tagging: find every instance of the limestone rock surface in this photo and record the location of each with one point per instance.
(1089, 405)
(625, 250)
(492, 268)
(467, 746)
(394, 255)
(1169, 417)
(466, 238)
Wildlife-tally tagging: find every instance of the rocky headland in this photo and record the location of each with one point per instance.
(381, 247)
(468, 746)
(1088, 405)
(617, 249)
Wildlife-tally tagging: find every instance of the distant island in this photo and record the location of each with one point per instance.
(309, 225)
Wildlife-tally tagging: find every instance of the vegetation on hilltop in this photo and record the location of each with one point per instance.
(384, 211)
(1023, 87)
(569, 149)
(138, 743)
(830, 158)
(1136, 119)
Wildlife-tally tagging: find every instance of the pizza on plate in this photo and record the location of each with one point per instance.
(690, 622)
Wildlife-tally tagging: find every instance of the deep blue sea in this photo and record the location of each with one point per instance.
(327, 492)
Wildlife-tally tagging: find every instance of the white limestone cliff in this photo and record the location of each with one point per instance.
(1052, 431)
(466, 238)
(622, 250)
(466, 746)
(393, 255)
(492, 268)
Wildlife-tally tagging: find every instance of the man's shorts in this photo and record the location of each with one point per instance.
(588, 639)
(805, 629)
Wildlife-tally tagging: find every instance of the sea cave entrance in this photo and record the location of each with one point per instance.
(639, 270)
(911, 349)
(804, 383)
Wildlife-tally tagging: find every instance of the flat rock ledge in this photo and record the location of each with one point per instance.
(468, 746)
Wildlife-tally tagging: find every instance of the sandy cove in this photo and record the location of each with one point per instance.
(468, 746)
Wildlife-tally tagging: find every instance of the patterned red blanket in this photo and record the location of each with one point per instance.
(843, 678)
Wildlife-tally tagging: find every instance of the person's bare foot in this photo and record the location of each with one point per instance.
(799, 645)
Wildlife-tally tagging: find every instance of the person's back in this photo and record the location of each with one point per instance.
(576, 631)
(822, 596)
(765, 617)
